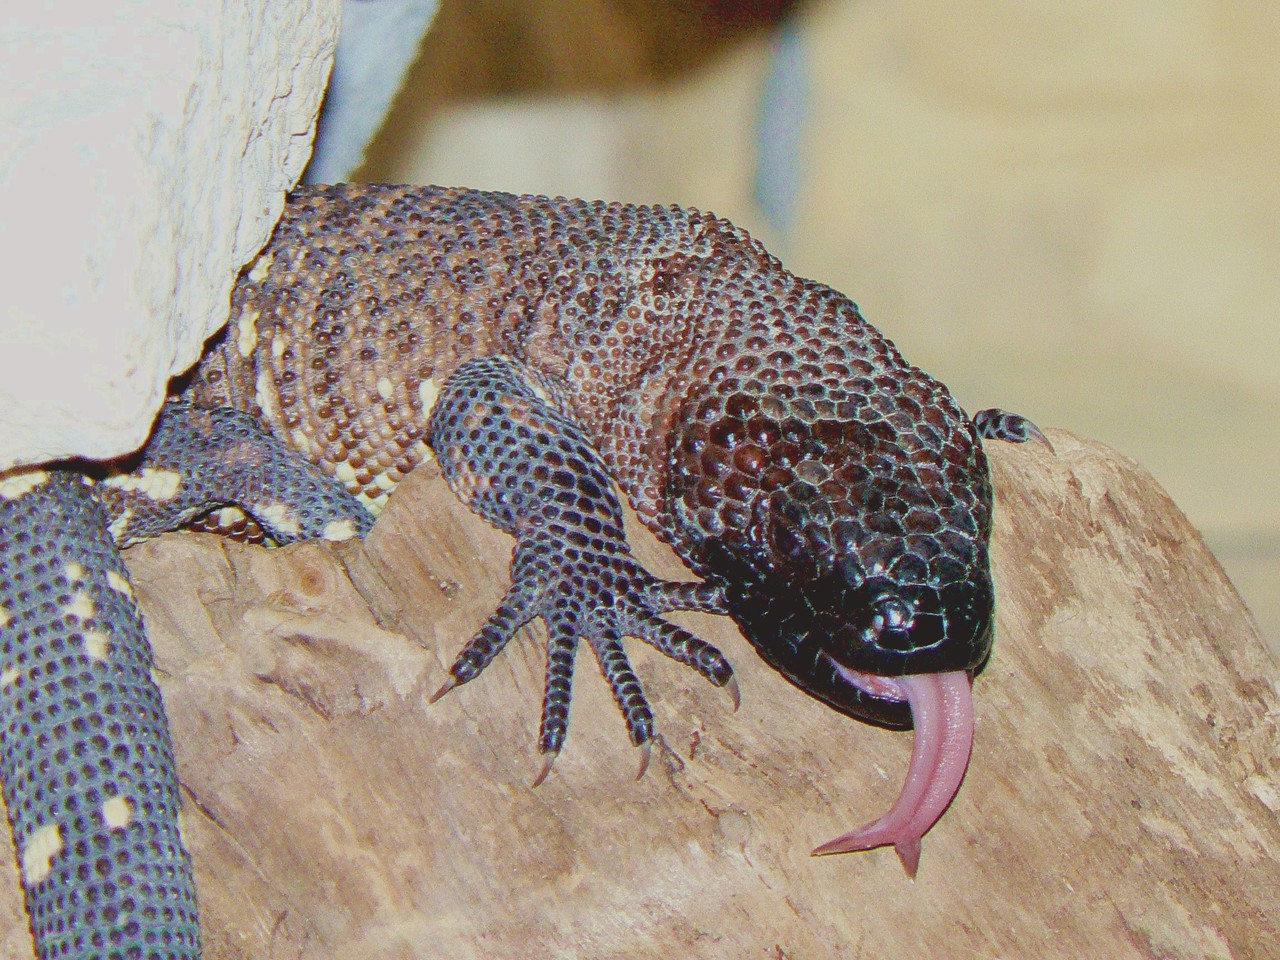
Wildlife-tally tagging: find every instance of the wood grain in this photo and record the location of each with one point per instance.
(1122, 800)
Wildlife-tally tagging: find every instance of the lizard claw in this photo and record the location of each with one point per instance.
(548, 761)
(444, 688)
(646, 752)
(734, 693)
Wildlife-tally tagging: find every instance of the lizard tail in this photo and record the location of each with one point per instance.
(86, 760)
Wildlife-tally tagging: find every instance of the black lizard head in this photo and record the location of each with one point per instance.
(847, 518)
(816, 626)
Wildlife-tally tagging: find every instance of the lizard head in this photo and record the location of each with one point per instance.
(840, 497)
(847, 519)
(834, 632)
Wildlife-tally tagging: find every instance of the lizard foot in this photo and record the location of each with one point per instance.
(511, 453)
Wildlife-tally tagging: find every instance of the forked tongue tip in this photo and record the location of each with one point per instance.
(908, 852)
(942, 714)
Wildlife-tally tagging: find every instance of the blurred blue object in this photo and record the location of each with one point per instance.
(378, 43)
(784, 102)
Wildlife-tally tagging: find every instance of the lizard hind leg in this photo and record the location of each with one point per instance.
(513, 455)
(200, 459)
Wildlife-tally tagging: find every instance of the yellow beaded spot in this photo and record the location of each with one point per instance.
(151, 482)
(264, 391)
(38, 853)
(81, 606)
(117, 813)
(120, 524)
(119, 584)
(339, 530)
(229, 516)
(96, 644)
(247, 333)
(428, 393)
(19, 484)
(375, 504)
(261, 266)
(279, 518)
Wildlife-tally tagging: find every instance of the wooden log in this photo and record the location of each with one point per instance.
(1122, 799)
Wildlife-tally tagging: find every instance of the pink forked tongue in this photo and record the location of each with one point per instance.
(942, 714)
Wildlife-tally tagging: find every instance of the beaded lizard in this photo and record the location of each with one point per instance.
(833, 498)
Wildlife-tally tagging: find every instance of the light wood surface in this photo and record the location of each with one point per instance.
(1121, 802)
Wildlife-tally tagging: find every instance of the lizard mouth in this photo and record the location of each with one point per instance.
(942, 716)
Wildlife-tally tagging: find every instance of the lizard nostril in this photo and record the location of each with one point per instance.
(893, 614)
(891, 624)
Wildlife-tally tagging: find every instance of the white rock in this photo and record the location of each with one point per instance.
(144, 154)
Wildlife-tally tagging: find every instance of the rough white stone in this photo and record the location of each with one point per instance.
(144, 153)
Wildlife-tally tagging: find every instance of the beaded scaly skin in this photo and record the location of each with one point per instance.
(834, 497)
(755, 421)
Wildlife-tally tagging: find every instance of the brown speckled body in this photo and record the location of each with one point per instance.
(753, 418)
(399, 285)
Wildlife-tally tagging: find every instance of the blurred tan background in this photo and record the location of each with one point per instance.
(1068, 210)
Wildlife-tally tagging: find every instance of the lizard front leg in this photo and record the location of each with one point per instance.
(510, 452)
